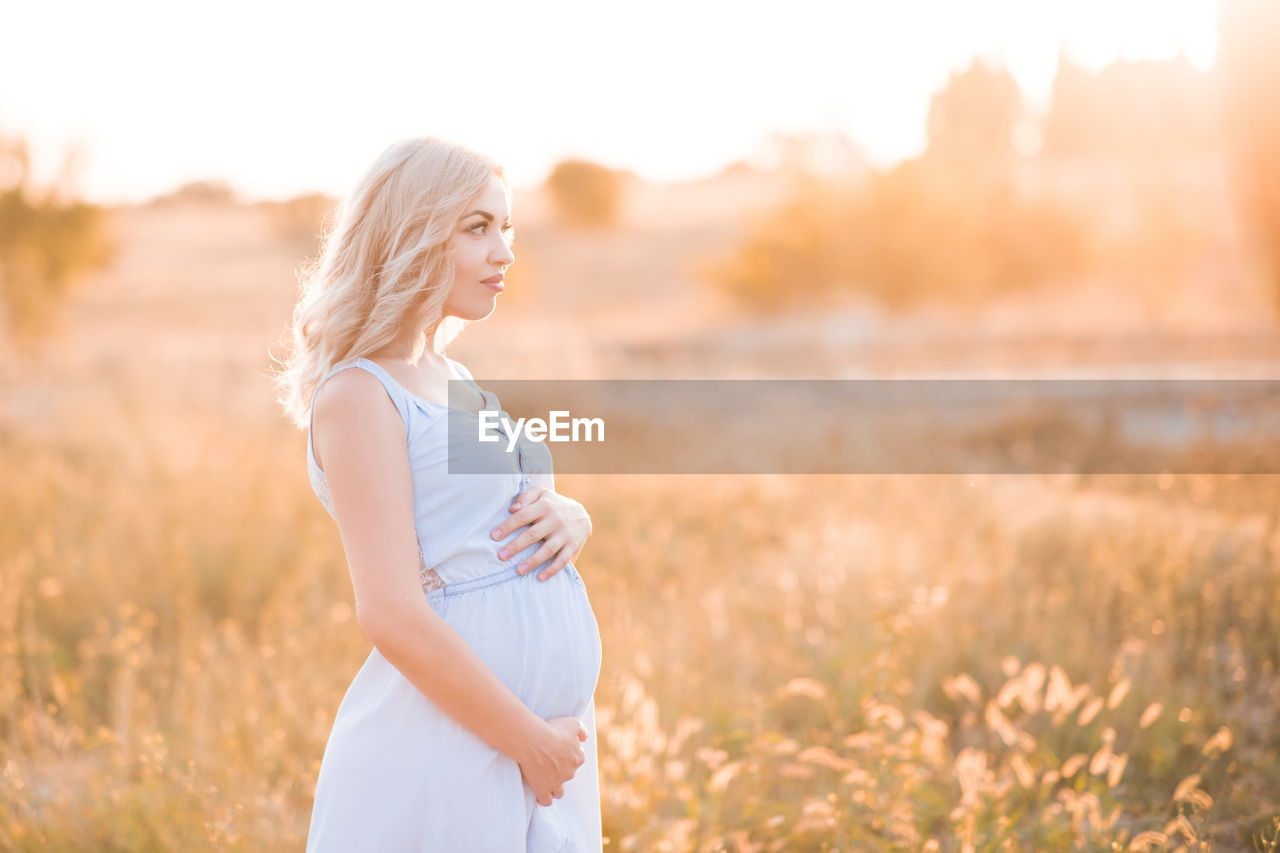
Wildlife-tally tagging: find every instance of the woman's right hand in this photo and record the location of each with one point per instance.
(554, 758)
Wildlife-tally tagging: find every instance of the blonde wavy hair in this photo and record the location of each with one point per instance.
(385, 264)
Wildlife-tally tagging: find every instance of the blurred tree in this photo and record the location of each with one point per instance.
(922, 232)
(1071, 126)
(47, 240)
(300, 219)
(1131, 111)
(213, 191)
(971, 120)
(739, 168)
(1249, 69)
(1137, 148)
(952, 226)
(585, 193)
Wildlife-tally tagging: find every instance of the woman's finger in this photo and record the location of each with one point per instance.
(536, 533)
(534, 509)
(527, 497)
(518, 520)
(550, 549)
(561, 560)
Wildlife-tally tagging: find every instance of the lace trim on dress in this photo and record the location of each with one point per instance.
(428, 577)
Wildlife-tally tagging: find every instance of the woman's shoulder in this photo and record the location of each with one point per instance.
(350, 407)
(353, 394)
(347, 385)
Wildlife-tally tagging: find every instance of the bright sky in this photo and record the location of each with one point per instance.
(286, 97)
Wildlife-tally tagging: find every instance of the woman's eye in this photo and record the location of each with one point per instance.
(481, 225)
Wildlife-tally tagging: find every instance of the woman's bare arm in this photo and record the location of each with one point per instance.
(359, 435)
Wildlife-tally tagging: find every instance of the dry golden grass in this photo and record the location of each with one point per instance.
(791, 663)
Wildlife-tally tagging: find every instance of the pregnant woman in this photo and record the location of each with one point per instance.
(471, 725)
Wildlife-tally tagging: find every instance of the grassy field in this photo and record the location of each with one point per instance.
(791, 663)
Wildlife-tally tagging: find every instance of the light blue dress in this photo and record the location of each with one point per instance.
(398, 774)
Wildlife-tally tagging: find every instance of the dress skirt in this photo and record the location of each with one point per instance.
(398, 774)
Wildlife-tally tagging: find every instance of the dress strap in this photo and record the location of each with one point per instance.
(394, 391)
(462, 372)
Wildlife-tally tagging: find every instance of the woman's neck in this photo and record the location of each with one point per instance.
(412, 353)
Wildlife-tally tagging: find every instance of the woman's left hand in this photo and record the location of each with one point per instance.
(560, 523)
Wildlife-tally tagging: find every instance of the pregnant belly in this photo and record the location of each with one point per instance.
(540, 638)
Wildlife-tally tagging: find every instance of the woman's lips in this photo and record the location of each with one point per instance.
(495, 282)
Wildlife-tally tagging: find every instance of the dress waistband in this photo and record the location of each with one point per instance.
(503, 575)
(475, 562)
(508, 573)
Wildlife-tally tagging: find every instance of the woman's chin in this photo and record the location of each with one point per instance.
(477, 310)
(481, 311)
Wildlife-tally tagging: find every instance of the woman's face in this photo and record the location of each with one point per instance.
(481, 246)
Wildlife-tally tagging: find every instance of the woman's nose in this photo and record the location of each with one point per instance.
(502, 254)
